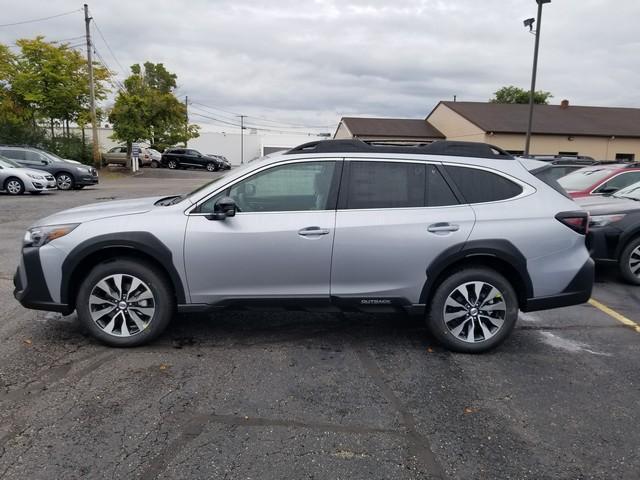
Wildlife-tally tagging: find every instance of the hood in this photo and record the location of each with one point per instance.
(33, 171)
(601, 205)
(96, 211)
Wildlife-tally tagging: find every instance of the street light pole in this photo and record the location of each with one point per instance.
(534, 73)
(242, 117)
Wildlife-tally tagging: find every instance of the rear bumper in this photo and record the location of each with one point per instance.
(30, 286)
(578, 291)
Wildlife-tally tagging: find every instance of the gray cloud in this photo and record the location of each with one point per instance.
(309, 62)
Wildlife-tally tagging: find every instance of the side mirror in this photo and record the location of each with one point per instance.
(607, 190)
(224, 207)
(44, 162)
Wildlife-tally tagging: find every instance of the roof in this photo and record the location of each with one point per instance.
(550, 119)
(391, 127)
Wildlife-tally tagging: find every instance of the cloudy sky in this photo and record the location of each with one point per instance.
(301, 64)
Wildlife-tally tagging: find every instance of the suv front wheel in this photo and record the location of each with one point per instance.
(473, 310)
(125, 303)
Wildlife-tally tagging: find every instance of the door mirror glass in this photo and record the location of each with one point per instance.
(223, 208)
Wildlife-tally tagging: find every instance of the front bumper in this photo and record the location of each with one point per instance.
(30, 286)
(578, 291)
(87, 180)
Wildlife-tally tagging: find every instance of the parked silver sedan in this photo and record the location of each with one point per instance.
(15, 180)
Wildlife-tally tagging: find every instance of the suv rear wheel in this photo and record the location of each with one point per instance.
(473, 310)
(212, 167)
(173, 164)
(125, 303)
(630, 262)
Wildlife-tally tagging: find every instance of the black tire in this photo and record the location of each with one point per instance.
(154, 164)
(14, 186)
(211, 167)
(163, 298)
(173, 164)
(628, 261)
(443, 331)
(65, 181)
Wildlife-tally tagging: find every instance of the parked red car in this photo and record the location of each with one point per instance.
(600, 179)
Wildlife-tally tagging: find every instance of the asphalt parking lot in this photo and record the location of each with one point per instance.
(313, 396)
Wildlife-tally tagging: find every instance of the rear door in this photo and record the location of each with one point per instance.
(393, 219)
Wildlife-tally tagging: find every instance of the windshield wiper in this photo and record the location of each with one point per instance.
(166, 201)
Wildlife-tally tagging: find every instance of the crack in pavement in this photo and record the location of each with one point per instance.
(418, 444)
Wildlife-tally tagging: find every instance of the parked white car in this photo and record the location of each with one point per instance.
(15, 180)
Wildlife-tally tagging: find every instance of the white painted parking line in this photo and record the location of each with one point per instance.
(568, 345)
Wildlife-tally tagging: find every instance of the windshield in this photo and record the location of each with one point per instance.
(584, 178)
(8, 163)
(632, 191)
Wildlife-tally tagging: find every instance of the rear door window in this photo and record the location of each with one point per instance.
(481, 186)
(14, 154)
(385, 185)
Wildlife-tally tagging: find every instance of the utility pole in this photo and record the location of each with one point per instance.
(186, 120)
(534, 74)
(92, 93)
(242, 117)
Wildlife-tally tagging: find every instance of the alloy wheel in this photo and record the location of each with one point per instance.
(211, 167)
(122, 305)
(14, 187)
(64, 181)
(172, 164)
(474, 312)
(634, 262)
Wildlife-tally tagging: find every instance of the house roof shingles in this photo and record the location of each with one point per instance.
(551, 119)
(391, 127)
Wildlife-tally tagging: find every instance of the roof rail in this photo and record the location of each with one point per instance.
(439, 147)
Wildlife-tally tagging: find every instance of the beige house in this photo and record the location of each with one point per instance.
(599, 132)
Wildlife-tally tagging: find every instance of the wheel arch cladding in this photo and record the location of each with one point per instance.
(625, 238)
(497, 254)
(137, 245)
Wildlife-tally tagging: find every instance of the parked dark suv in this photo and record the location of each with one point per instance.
(69, 175)
(186, 157)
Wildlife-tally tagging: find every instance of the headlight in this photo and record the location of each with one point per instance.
(38, 236)
(34, 176)
(82, 169)
(604, 220)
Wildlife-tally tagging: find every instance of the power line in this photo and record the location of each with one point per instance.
(122, 70)
(257, 125)
(40, 19)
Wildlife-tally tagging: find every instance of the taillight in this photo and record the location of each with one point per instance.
(576, 221)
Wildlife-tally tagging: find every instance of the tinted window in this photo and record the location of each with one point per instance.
(620, 181)
(549, 175)
(386, 185)
(438, 192)
(478, 186)
(34, 157)
(295, 187)
(14, 154)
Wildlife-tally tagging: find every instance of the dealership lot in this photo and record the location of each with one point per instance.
(299, 395)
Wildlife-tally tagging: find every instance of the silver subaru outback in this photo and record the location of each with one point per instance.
(460, 233)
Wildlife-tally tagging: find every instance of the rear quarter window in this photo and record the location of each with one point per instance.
(481, 186)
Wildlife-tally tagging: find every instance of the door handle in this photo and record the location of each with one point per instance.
(443, 227)
(312, 231)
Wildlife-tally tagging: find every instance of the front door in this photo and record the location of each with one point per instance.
(279, 243)
(393, 219)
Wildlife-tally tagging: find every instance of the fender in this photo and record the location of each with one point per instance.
(497, 248)
(143, 242)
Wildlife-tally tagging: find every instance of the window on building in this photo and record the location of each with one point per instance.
(516, 153)
(479, 186)
(568, 154)
(625, 157)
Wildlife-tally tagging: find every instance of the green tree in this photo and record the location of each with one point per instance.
(148, 110)
(52, 81)
(512, 94)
